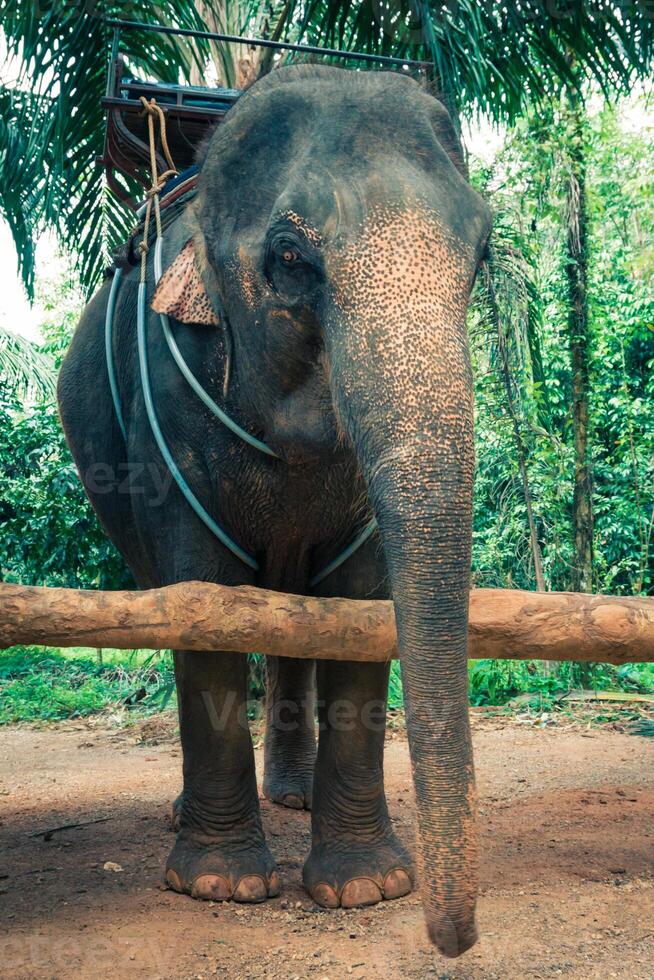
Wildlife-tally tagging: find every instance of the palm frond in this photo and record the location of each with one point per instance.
(52, 125)
(15, 195)
(507, 300)
(494, 57)
(24, 370)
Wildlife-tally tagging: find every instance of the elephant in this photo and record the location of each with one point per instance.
(317, 286)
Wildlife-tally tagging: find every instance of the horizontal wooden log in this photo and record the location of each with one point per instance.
(504, 624)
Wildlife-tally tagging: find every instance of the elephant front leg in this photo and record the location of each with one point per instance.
(355, 857)
(220, 852)
(290, 741)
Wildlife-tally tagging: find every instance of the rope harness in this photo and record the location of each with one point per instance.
(155, 113)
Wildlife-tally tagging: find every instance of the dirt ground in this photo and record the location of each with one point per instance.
(567, 844)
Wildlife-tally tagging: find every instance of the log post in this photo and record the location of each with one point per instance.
(504, 624)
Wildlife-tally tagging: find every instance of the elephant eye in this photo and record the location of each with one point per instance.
(288, 268)
(289, 256)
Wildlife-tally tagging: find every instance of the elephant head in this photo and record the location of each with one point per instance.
(337, 235)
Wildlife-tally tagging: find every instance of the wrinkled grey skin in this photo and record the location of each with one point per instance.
(338, 241)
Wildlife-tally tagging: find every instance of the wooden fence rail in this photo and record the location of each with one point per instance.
(505, 624)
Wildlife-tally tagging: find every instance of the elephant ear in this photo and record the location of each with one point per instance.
(181, 294)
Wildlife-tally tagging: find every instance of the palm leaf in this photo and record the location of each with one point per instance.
(24, 370)
(492, 57)
(52, 126)
(507, 301)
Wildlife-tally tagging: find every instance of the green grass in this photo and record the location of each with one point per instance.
(395, 692)
(48, 685)
(495, 682)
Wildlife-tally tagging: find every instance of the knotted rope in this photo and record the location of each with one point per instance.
(154, 113)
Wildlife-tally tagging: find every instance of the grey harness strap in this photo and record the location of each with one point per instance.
(164, 449)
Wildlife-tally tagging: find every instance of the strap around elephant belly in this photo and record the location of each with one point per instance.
(164, 449)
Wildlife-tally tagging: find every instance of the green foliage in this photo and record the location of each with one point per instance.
(495, 682)
(51, 685)
(48, 532)
(49, 535)
(24, 369)
(525, 187)
(476, 69)
(44, 685)
(395, 691)
(622, 287)
(51, 120)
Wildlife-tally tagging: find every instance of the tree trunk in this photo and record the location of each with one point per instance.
(576, 271)
(505, 371)
(237, 65)
(504, 624)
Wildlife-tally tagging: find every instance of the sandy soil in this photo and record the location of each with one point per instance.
(567, 828)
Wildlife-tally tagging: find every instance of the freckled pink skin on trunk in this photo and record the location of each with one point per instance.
(400, 374)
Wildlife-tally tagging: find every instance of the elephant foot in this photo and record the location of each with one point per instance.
(220, 873)
(292, 791)
(357, 874)
(288, 767)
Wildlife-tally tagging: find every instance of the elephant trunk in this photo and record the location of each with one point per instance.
(428, 558)
(402, 387)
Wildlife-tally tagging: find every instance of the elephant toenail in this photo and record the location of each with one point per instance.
(173, 880)
(360, 891)
(274, 886)
(211, 888)
(325, 895)
(396, 884)
(251, 888)
(293, 801)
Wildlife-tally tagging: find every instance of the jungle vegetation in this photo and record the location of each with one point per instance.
(561, 327)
